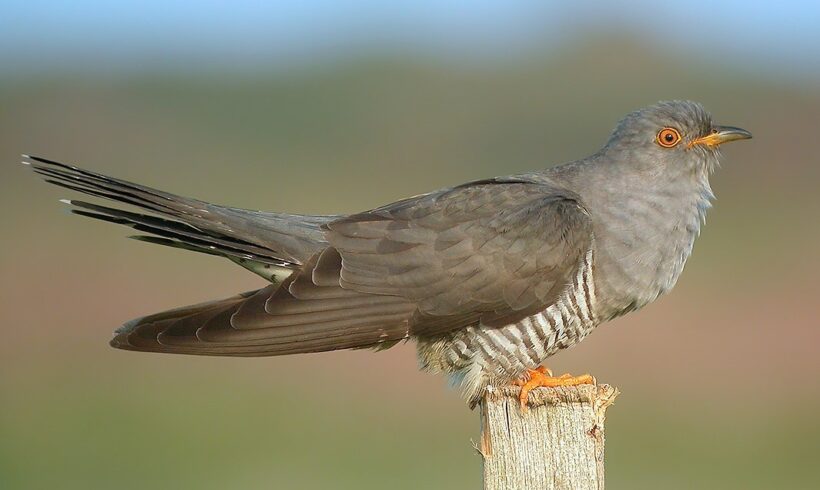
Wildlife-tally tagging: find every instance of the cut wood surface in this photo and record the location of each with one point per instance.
(558, 443)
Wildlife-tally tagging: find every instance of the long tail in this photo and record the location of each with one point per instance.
(252, 238)
(304, 310)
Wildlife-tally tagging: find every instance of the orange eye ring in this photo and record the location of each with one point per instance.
(668, 137)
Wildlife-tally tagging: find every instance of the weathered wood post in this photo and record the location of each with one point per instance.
(557, 444)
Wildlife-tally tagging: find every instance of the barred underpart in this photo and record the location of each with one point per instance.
(480, 356)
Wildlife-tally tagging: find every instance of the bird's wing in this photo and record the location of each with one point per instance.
(308, 312)
(494, 251)
(491, 251)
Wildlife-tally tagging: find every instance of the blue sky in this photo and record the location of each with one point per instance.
(42, 34)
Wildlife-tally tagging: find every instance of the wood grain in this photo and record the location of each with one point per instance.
(558, 443)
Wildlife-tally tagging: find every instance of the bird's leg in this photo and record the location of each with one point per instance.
(542, 376)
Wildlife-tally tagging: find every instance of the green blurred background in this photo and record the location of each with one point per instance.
(337, 107)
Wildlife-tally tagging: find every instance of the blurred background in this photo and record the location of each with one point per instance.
(325, 107)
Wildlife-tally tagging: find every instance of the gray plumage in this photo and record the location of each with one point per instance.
(489, 277)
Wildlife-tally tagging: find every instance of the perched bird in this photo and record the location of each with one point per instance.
(490, 278)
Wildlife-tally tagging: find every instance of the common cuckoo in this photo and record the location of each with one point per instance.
(490, 278)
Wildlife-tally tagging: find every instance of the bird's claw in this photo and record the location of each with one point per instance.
(542, 376)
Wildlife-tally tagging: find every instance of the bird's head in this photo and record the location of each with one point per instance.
(676, 134)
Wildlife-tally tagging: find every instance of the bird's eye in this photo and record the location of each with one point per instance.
(668, 137)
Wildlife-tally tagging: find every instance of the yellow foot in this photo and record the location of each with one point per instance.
(542, 376)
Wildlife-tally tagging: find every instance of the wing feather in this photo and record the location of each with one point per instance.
(499, 250)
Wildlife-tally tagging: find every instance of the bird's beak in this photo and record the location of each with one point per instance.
(720, 135)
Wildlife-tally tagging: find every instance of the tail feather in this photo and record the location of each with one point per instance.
(282, 239)
(178, 231)
(176, 244)
(87, 182)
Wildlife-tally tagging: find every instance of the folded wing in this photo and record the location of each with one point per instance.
(492, 251)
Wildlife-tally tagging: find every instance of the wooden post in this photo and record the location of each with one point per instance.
(557, 444)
